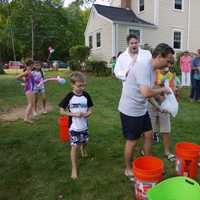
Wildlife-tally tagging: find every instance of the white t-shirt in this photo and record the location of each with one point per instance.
(74, 104)
(132, 102)
(126, 61)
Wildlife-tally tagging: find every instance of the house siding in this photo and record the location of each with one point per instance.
(148, 13)
(194, 33)
(96, 24)
(169, 20)
(115, 3)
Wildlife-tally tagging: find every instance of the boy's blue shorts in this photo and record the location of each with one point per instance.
(77, 138)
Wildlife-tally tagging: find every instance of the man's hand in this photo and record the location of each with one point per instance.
(166, 90)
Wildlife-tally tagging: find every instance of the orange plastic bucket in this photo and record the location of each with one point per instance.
(63, 124)
(148, 172)
(187, 157)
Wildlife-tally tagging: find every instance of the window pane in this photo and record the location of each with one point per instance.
(141, 6)
(90, 41)
(177, 40)
(98, 39)
(178, 4)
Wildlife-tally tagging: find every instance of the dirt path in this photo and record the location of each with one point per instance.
(18, 113)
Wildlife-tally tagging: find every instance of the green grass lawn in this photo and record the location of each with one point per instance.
(35, 165)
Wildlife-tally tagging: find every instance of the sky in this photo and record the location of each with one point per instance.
(103, 2)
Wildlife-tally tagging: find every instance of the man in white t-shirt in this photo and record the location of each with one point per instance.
(128, 58)
(138, 87)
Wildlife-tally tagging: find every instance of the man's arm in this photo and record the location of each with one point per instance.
(120, 70)
(151, 92)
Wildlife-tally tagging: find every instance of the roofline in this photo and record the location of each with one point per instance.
(93, 8)
(136, 24)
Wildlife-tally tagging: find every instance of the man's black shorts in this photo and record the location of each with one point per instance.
(134, 127)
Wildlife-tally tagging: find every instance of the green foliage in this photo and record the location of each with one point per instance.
(36, 166)
(52, 25)
(147, 47)
(99, 68)
(79, 55)
(1, 69)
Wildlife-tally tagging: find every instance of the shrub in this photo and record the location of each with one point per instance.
(1, 69)
(79, 54)
(98, 67)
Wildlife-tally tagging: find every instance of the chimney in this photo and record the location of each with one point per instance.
(126, 4)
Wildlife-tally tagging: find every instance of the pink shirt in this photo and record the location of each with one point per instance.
(186, 63)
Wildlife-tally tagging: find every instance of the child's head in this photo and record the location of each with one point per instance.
(29, 65)
(164, 70)
(78, 82)
(37, 65)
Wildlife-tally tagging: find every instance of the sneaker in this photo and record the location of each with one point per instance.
(44, 111)
(156, 138)
(129, 175)
(35, 114)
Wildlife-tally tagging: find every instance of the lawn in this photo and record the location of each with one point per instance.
(34, 164)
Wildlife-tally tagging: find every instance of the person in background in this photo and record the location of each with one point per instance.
(186, 67)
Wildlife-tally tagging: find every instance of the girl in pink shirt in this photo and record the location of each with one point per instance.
(186, 66)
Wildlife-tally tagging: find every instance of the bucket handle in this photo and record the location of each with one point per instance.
(191, 182)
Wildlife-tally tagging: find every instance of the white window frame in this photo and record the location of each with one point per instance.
(98, 31)
(90, 35)
(137, 29)
(178, 10)
(139, 12)
(181, 45)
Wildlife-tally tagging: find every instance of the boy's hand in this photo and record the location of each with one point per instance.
(84, 114)
(78, 114)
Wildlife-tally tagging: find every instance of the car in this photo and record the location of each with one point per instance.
(14, 65)
(59, 64)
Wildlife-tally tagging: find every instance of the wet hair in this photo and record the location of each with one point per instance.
(130, 36)
(77, 77)
(163, 50)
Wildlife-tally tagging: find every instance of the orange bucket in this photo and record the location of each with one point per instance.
(148, 172)
(187, 157)
(63, 124)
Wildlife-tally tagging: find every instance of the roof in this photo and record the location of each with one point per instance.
(120, 14)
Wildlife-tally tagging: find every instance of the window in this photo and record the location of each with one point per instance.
(141, 5)
(135, 32)
(90, 42)
(178, 4)
(177, 40)
(98, 39)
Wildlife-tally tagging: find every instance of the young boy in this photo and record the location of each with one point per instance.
(77, 105)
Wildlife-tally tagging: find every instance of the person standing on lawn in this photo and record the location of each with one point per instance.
(127, 59)
(77, 105)
(133, 104)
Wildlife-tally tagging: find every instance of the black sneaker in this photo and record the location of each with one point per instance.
(156, 138)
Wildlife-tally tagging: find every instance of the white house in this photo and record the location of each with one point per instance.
(174, 22)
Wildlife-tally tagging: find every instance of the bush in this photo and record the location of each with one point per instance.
(74, 65)
(98, 67)
(1, 69)
(79, 54)
(147, 47)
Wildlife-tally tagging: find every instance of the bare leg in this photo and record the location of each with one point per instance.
(147, 142)
(74, 161)
(28, 111)
(166, 143)
(35, 103)
(128, 154)
(84, 152)
(44, 102)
